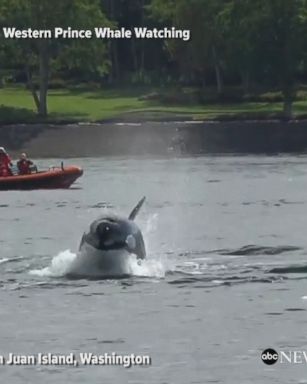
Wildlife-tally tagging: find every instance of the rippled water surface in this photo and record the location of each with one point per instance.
(224, 279)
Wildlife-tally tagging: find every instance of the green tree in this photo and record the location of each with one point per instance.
(282, 28)
(239, 26)
(205, 50)
(250, 38)
(133, 59)
(41, 56)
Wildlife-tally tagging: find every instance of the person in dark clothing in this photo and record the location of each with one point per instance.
(24, 165)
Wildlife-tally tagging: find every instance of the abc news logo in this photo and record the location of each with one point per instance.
(270, 356)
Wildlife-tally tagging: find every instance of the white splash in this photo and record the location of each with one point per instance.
(147, 268)
(59, 265)
(151, 224)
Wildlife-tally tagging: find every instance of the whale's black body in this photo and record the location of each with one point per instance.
(106, 248)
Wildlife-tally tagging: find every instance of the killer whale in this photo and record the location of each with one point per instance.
(106, 247)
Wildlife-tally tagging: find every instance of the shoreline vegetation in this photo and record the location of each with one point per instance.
(210, 66)
(81, 104)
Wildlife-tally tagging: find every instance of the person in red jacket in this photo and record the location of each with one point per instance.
(5, 163)
(24, 165)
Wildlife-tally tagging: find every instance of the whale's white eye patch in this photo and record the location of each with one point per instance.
(130, 241)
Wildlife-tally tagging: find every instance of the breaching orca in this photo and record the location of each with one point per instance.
(106, 248)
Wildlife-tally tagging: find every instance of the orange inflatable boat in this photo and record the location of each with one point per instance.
(54, 178)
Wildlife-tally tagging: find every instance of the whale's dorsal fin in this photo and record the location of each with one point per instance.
(136, 209)
(82, 240)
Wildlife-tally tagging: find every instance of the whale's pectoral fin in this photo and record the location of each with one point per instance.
(136, 209)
